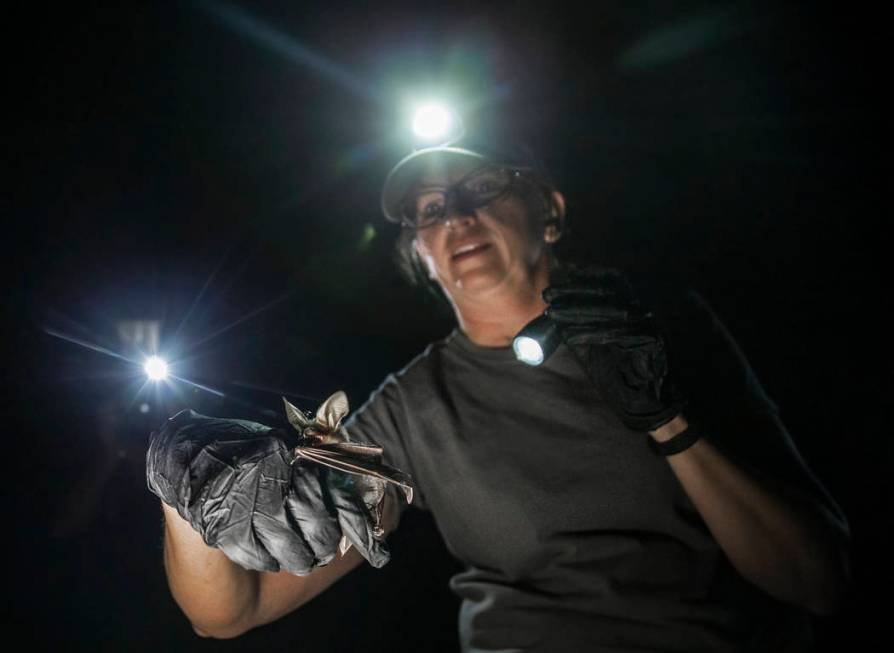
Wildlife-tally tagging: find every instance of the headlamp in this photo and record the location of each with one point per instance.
(432, 123)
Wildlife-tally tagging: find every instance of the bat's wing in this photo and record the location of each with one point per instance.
(353, 458)
(364, 451)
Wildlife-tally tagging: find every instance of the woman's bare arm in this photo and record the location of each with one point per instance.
(223, 600)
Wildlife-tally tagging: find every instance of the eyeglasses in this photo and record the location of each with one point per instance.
(425, 207)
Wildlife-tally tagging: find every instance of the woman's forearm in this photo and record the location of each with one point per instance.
(780, 544)
(217, 595)
(223, 600)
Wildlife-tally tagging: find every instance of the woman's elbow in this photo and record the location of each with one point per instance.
(832, 593)
(223, 626)
(221, 631)
(201, 633)
(828, 603)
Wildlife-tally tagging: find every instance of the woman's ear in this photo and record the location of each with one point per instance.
(555, 220)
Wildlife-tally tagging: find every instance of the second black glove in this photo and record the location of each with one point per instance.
(618, 342)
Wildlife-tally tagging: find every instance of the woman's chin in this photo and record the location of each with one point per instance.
(482, 281)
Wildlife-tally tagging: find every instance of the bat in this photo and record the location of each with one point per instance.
(324, 442)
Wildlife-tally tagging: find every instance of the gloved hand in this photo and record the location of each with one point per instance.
(619, 344)
(233, 482)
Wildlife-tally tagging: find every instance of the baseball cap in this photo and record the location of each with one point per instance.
(412, 167)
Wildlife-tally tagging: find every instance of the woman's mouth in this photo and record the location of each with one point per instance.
(468, 251)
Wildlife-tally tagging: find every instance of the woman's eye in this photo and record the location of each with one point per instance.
(433, 209)
(485, 184)
(430, 205)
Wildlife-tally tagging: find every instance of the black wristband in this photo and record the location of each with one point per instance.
(680, 442)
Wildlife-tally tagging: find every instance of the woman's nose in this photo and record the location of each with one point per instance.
(459, 217)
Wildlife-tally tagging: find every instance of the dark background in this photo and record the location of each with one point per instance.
(217, 167)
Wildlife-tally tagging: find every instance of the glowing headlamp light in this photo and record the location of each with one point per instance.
(431, 122)
(436, 124)
(537, 341)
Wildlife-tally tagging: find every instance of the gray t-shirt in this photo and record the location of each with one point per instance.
(575, 535)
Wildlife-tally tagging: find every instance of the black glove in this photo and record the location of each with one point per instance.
(619, 344)
(233, 482)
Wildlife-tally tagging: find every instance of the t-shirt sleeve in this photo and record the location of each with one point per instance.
(382, 421)
(728, 401)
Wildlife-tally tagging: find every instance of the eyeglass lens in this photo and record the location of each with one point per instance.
(426, 206)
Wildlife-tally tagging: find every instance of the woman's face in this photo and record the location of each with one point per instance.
(474, 252)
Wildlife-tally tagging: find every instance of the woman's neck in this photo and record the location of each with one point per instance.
(494, 319)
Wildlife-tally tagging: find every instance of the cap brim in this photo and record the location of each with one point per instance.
(409, 170)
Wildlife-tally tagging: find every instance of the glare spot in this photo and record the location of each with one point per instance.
(156, 368)
(528, 350)
(432, 121)
(366, 238)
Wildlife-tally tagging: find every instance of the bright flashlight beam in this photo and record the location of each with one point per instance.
(432, 121)
(266, 35)
(88, 345)
(528, 350)
(242, 319)
(276, 391)
(108, 352)
(199, 386)
(685, 36)
(156, 368)
(201, 294)
(263, 411)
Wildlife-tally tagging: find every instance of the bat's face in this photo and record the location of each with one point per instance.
(323, 428)
(322, 437)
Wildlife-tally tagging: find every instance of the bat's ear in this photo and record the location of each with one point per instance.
(333, 410)
(296, 417)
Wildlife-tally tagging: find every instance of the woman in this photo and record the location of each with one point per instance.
(576, 534)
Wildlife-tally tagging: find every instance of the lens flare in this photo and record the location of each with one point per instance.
(156, 368)
(528, 350)
(432, 122)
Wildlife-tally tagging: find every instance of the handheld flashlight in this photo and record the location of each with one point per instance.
(537, 341)
(155, 368)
